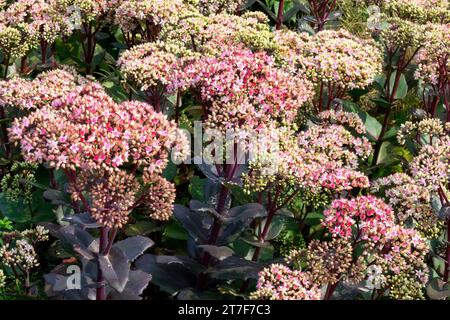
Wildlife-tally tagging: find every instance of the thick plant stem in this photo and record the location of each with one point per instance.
(379, 142)
(257, 252)
(445, 202)
(53, 181)
(215, 229)
(73, 180)
(27, 284)
(447, 254)
(330, 290)
(89, 47)
(263, 234)
(23, 66)
(446, 93)
(280, 15)
(177, 107)
(391, 97)
(4, 133)
(43, 52)
(101, 289)
(7, 60)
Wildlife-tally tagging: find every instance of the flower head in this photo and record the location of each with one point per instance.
(86, 129)
(365, 217)
(278, 282)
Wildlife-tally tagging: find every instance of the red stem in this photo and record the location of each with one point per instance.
(280, 15)
(330, 290)
(447, 254)
(4, 133)
(101, 289)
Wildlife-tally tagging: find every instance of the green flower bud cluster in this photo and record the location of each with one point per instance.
(2, 279)
(287, 241)
(14, 42)
(403, 287)
(14, 184)
(403, 34)
(420, 11)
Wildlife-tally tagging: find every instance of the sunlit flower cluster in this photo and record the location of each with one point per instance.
(279, 282)
(292, 50)
(321, 158)
(12, 184)
(239, 75)
(403, 260)
(38, 234)
(208, 34)
(365, 217)
(329, 262)
(336, 143)
(144, 19)
(44, 89)
(343, 60)
(112, 195)
(152, 64)
(431, 168)
(158, 198)
(21, 255)
(418, 10)
(2, 279)
(41, 19)
(349, 120)
(403, 34)
(90, 11)
(411, 203)
(209, 7)
(18, 248)
(87, 129)
(427, 130)
(433, 62)
(14, 42)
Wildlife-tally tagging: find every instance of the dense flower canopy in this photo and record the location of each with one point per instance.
(86, 129)
(271, 150)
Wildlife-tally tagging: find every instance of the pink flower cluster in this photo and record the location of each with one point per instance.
(338, 179)
(323, 157)
(364, 218)
(41, 19)
(240, 74)
(336, 143)
(278, 282)
(46, 87)
(86, 129)
(152, 64)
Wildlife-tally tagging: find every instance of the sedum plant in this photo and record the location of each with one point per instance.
(319, 166)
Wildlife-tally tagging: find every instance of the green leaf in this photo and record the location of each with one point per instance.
(171, 171)
(196, 188)
(235, 268)
(402, 89)
(174, 230)
(391, 133)
(438, 289)
(373, 127)
(380, 81)
(14, 211)
(220, 253)
(141, 228)
(314, 218)
(385, 153)
(276, 227)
